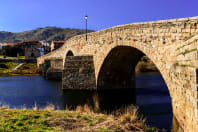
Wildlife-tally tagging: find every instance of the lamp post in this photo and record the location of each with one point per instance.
(86, 25)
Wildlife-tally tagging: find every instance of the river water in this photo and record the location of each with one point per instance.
(152, 96)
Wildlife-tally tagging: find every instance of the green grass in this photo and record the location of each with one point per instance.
(104, 130)
(9, 57)
(187, 51)
(23, 120)
(49, 120)
(40, 120)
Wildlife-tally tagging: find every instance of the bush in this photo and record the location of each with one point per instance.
(3, 66)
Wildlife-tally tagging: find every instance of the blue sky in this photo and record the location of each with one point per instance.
(22, 15)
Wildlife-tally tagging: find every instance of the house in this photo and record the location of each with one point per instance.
(32, 53)
(56, 44)
(30, 48)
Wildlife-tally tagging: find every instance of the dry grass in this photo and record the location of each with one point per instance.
(84, 108)
(50, 107)
(130, 114)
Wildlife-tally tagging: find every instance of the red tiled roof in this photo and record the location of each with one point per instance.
(32, 41)
(9, 44)
(26, 42)
(18, 44)
(59, 42)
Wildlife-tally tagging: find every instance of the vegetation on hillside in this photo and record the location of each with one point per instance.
(145, 65)
(47, 34)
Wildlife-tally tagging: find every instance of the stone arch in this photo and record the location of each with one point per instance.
(118, 70)
(128, 52)
(69, 53)
(126, 58)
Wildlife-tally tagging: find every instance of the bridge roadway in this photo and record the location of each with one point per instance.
(107, 60)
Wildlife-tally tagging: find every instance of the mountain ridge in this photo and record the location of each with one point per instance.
(46, 34)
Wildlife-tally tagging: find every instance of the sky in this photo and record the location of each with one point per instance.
(22, 15)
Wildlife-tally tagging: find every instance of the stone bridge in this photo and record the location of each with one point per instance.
(107, 60)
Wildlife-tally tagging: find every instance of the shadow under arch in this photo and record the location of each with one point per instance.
(118, 73)
(118, 68)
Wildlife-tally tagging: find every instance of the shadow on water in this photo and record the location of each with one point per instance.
(151, 96)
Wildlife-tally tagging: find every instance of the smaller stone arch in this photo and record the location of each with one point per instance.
(69, 53)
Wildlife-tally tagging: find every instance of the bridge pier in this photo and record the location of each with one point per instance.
(79, 73)
(51, 69)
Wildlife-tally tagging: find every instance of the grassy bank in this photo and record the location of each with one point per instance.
(10, 57)
(6, 69)
(80, 120)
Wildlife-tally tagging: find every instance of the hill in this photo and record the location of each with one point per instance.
(47, 34)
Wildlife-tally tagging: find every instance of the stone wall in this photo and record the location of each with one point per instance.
(170, 44)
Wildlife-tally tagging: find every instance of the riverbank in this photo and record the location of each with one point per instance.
(8, 69)
(10, 57)
(80, 120)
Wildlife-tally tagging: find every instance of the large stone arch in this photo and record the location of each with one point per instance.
(175, 64)
(177, 77)
(117, 71)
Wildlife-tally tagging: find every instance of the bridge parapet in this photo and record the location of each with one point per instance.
(157, 31)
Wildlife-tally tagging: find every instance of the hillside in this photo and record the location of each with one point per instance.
(47, 33)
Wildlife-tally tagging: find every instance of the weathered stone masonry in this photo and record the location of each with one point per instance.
(79, 73)
(171, 44)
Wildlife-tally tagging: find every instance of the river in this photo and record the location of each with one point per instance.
(152, 96)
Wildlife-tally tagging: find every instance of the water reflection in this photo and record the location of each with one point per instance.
(105, 101)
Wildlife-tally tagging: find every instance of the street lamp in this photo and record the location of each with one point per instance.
(86, 25)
